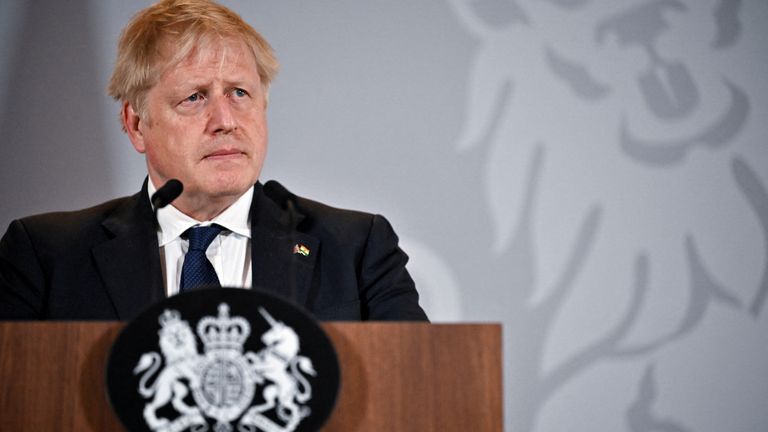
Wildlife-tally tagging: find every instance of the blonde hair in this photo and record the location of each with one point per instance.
(165, 33)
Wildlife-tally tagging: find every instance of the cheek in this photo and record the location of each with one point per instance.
(253, 118)
(173, 139)
(259, 130)
(167, 149)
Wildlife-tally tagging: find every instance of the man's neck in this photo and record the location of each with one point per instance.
(199, 207)
(204, 208)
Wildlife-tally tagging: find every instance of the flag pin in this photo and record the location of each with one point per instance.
(301, 249)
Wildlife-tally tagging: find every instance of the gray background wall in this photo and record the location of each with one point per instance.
(590, 173)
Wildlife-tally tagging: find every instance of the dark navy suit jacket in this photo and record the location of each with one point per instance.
(103, 263)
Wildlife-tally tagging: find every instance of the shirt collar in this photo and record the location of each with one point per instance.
(172, 222)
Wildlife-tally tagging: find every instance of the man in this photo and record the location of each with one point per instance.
(193, 80)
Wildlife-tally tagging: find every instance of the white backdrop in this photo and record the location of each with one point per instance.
(591, 173)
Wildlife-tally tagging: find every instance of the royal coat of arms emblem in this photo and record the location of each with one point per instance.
(257, 391)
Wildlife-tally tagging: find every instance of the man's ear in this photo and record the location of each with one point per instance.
(131, 123)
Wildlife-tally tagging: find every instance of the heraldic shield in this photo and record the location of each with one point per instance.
(223, 360)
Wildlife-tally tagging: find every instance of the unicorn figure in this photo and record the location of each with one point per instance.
(280, 364)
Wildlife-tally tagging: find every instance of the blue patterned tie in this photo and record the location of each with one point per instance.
(197, 270)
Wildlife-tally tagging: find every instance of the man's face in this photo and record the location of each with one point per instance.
(205, 125)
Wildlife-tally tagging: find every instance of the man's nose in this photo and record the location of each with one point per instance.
(221, 119)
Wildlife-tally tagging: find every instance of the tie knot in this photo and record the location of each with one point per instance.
(200, 237)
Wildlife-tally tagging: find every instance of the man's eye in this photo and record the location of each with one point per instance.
(193, 98)
(240, 93)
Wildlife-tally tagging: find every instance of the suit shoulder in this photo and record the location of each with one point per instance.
(318, 213)
(344, 226)
(68, 223)
(318, 209)
(330, 222)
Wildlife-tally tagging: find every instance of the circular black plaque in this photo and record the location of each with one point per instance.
(223, 359)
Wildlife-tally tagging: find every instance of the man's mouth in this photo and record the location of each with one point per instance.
(224, 154)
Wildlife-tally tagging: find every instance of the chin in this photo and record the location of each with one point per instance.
(230, 187)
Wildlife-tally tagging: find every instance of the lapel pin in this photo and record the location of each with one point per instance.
(301, 249)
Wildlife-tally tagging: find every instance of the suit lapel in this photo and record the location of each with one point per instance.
(283, 258)
(129, 262)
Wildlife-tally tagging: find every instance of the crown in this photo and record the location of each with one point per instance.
(223, 332)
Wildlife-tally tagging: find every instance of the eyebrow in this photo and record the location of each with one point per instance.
(192, 83)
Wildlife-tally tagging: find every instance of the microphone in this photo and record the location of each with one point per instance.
(280, 195)
(166, 194)
(283, 198)
(163, 196)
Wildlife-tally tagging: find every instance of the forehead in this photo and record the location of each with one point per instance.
(211, 56)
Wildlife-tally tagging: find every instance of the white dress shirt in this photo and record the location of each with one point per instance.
(230, 251)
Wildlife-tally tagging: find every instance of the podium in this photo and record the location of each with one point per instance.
(394, 376)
